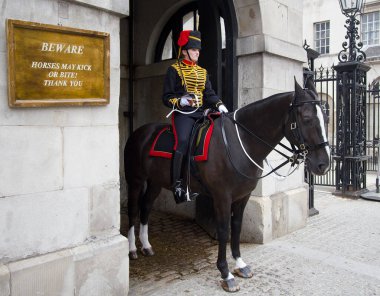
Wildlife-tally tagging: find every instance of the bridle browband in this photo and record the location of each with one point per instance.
(298, 155)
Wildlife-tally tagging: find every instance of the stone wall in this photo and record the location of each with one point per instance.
(270, 56)
(59, 174)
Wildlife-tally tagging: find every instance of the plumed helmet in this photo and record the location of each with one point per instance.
(189, 39)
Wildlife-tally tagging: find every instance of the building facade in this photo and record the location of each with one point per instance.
(61, 175)
(324, 30)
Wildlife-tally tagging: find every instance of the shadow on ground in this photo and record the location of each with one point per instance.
(181, 248)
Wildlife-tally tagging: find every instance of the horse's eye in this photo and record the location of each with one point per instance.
(307, 121)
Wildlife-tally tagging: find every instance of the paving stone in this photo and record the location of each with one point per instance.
(337, 253)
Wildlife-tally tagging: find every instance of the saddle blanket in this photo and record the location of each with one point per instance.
(163, 144)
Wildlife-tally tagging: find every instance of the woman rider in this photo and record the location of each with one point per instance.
(188, 91)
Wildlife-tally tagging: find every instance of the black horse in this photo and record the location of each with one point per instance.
(228, 176)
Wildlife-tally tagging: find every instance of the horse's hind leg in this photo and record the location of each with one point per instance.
(241, 269)
(135, 189)
(146, 205)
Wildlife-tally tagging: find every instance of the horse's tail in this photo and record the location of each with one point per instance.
(132, 154)
(128, 152)
(137, 144)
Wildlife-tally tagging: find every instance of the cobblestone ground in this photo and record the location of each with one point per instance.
(337, 253)
(182, 249)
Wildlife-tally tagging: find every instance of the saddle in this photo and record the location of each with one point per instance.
(164, 142)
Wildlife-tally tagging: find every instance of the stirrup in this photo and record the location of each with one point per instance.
(180, 195)
(190, 196)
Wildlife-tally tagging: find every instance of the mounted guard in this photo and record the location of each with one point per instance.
(188, 91)
(237, 150)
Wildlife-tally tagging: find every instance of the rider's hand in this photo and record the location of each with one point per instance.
(222, 109)
(185, 100)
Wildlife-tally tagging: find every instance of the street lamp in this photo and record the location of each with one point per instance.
(350, 8)
(351, 72)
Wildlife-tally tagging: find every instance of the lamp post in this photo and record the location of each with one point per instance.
(307, 73)
(351, 108)
(350, 8)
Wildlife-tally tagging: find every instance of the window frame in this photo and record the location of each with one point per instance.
(325, 39)
(366, 33)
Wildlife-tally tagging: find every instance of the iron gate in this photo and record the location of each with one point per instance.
(373, 125)
(326, 83)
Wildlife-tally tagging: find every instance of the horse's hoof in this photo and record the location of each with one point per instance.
(230, 285)
(244, 272)
(147, 251)
(133, 255)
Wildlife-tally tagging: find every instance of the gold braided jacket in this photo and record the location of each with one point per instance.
(194, 80)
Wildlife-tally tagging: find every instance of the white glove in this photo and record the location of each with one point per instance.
(222, 109)
(185, 100)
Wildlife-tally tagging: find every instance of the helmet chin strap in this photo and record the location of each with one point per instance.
(189, 56)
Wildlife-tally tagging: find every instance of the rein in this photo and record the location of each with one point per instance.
(297, 154)
(293, 159)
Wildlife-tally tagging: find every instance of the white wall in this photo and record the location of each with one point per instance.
(57, 161)
(59, 173)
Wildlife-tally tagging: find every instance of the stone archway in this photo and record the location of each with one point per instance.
(266, 42)
(146, 79)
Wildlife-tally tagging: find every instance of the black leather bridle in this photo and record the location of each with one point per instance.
(298, 155)
(296, 132)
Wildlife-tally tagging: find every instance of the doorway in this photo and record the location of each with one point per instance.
(147, 39)
(217, 23)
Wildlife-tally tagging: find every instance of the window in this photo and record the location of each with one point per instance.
(190, 21)
(186, 18)
(223, 31)
(167, 52)
(322, 37)
(370, 28)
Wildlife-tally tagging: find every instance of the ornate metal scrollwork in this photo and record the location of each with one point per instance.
(352, 50)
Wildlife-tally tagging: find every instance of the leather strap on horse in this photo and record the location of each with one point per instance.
(293, 159)
(297, 153)
(192, 168)
(294, 128)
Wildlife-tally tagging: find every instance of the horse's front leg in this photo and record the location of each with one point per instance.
(222, 215)
(241, 268)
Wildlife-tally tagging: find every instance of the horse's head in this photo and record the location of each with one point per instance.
(305, 128)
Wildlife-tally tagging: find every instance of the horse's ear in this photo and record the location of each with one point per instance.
(298, 89)
(310, 84)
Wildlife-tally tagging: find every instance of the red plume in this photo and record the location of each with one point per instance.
(183, 38)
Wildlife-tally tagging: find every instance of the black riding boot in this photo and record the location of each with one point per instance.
(180, 193)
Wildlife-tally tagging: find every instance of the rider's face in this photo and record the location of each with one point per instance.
(193, 54)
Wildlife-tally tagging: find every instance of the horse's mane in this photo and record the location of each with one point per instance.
(268, 101)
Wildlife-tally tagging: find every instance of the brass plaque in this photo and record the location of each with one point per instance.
(57, 66)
